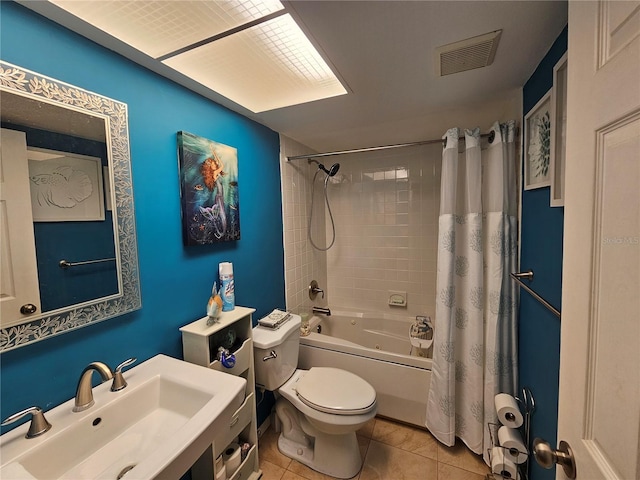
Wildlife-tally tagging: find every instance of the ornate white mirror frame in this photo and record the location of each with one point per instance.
(34, 328)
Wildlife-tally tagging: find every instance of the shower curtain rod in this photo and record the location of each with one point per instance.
(491, 135)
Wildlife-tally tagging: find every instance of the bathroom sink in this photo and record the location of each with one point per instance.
(156, 427)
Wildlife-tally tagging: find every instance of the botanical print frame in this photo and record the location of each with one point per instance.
(558, 131)
(537, 144)
(65, 187)
(208, 190)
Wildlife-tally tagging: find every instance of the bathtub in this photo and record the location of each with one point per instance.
(375, 347)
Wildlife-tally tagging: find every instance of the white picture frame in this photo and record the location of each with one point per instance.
(65, 187)
(538, 124)
(558, 132)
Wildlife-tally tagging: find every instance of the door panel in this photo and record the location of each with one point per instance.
(599, 411)
(19, 280)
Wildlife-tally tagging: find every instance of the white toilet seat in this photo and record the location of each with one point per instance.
(335, 391)
(288, 391)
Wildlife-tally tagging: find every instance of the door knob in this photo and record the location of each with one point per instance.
(28, 309)
(547, 457)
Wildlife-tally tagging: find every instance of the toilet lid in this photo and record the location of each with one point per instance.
(336, 391)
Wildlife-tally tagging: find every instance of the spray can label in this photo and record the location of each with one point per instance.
(227, 293)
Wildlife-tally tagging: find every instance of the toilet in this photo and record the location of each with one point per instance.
(318, 410)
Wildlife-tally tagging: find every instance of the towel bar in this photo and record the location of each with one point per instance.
(529, 276)
(67, 264)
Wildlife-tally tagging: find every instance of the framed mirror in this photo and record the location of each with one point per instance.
(68, 246)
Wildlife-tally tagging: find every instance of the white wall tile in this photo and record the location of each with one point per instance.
(385, 207)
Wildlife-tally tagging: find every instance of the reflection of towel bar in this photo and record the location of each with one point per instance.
(529, 276)
(66, 263)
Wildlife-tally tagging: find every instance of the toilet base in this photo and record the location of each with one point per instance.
(331, 454)
(334, 457)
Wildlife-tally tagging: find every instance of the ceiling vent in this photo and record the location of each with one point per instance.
(467, 54)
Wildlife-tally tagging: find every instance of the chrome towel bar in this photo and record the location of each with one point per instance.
(67, 264)
(529, 276)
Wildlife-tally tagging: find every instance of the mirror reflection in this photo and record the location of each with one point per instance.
(65, 196)
(68, 247)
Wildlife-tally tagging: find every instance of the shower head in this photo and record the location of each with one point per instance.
(334, 169)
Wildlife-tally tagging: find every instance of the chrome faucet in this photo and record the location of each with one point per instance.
(84, 392)
(322, 311)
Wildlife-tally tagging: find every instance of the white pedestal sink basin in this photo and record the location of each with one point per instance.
(156, 427)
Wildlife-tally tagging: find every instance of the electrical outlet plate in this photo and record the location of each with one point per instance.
(397, 299)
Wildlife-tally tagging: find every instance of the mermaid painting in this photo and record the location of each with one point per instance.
(209, 190)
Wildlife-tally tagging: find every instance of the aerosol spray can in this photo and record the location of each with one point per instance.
(227, 287)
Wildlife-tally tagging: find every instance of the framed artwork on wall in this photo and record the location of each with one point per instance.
(208, 190)
(558, 131)
(537, 144)
(65, 187)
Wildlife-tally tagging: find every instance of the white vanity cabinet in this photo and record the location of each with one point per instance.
(200, 344)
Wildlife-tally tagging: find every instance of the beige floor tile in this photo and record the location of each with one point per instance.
(291, 476)
(406, 438)
(460, 456)
(268, 449)
(270, 471)
(447, 472)
(384, 462)
(306, 472)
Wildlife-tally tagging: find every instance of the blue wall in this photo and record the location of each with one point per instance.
(541, 251)
(175, 280)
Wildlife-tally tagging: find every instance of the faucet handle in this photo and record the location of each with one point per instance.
(118, 379)
(39, 424)
(314, 290)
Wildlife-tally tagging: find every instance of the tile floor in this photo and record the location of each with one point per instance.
(391, 451)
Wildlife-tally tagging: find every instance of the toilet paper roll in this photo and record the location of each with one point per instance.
(219, 464)
(503, 466)
(221, 473)
(508, 411)
(231, 457)
(514, 448)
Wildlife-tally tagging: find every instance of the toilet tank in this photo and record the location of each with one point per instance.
(273, 371)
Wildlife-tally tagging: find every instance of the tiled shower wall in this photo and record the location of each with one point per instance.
(302, 262)
(385, 207)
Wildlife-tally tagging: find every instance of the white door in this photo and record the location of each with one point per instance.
(19, 273)
(599, 406)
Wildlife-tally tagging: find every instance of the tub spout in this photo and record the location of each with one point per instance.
(322, 311)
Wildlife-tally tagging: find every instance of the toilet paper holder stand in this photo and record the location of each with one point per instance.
(527, 405)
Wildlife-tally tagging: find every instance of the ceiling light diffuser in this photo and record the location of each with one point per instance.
(268, 66)
(158, 28)
(249, 51)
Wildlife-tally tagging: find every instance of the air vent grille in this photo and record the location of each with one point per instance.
(467, 54)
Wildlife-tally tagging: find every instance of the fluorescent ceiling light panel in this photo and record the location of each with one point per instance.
(268, 66)
(161, 27)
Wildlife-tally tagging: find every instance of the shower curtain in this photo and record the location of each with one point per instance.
(475, 340)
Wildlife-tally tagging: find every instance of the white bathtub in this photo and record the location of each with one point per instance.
(376, 347)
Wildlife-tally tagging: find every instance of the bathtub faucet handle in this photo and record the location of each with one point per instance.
(314, 290)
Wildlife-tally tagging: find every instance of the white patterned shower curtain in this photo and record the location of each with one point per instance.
(475, 341)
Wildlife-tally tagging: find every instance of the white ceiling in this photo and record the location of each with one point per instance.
(384, 53)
